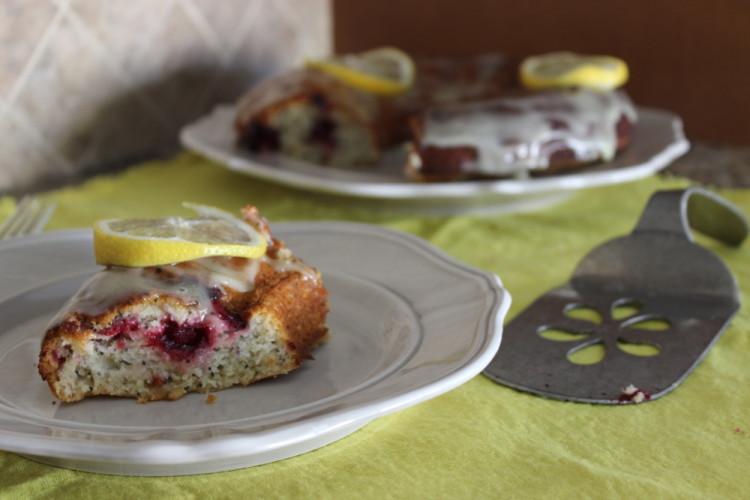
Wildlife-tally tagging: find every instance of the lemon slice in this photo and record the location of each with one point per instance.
(385, 71)
(151, 242)
(567, 69)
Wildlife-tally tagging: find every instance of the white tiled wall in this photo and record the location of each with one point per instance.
(90, 84)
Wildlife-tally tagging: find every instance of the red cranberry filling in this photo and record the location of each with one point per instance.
(323, 135)
(180, 342)
(121, 326)
(62, 355)
(234, 321)
(628, 398)
(261, 138)
(322, 132)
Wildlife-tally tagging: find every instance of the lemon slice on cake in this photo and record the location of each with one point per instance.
(567, 69)
(384, 71)
(150, 242)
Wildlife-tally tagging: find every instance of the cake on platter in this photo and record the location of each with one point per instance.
(485, 116)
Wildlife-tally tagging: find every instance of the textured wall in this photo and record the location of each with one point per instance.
(89, 84)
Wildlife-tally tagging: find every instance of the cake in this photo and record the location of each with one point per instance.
(443, 80)
(518, 135)
(464, 117)
(447, 80)
(312, 116)
(159, 332)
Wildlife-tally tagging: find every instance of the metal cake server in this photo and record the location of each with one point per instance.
(658, 275)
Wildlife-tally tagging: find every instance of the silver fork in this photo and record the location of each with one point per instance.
(30, 216)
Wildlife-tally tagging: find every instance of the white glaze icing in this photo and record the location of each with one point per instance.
(190, 283)
(509, 133)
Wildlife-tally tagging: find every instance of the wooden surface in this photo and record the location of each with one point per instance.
(686, 56)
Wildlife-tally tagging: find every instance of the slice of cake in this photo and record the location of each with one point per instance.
(159, 332)
(312, 116)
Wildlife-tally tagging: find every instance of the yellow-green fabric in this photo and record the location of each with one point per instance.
(481, 440)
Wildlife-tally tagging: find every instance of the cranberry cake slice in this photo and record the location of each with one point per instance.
(159, 332)
(309, 115)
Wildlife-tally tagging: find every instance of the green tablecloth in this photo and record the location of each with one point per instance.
(481, 440)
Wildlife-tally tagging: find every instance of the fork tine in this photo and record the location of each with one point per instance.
(43, 216)
(30, 216)
(15, 219)
(25, 217)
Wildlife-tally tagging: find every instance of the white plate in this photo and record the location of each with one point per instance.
(407, 323)
(658, 140)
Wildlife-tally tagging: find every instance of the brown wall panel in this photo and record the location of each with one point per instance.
(689, 56)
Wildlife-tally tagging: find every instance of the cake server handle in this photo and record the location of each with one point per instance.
(679, 210)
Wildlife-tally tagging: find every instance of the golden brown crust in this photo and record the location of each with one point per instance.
(301, 307)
